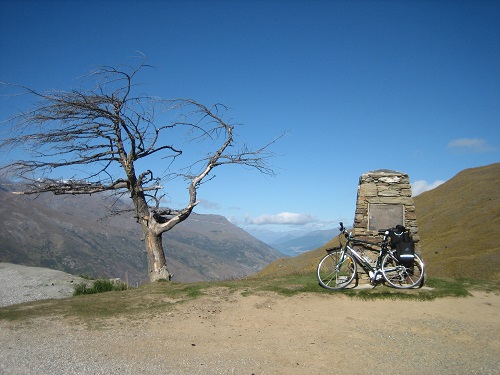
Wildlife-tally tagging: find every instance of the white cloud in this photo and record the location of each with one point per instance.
(233, 220)
(209, 204)
(470, 145)
(289, 218)
(419, 186)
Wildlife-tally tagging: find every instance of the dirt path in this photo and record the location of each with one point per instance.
(225, 333)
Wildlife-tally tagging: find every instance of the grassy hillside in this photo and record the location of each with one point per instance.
(459, 224)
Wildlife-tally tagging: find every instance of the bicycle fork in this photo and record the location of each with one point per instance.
(340, 262)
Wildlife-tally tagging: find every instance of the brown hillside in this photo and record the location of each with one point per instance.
(459, 224)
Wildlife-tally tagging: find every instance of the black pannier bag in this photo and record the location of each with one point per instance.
(405, 246)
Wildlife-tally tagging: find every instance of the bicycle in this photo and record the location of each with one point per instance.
(338, 268)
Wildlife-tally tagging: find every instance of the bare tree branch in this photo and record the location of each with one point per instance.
(107, 128)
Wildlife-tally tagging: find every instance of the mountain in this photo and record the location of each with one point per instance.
(310, 241)
(75, 234)
(293, 242)
(458, 223)
(270, 237)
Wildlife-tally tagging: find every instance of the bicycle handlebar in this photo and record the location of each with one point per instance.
(343, 230)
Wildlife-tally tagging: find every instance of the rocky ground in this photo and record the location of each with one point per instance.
(23, 284)
(227, 333)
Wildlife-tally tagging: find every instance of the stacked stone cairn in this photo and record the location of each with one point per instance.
(384, 200)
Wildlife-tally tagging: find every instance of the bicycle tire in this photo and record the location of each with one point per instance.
(401, 277)
(335, 273)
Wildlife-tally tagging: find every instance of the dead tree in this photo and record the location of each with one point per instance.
(109, 130)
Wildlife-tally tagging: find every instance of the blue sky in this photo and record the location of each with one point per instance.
(412, 86)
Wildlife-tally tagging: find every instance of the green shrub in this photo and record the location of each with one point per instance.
(99, 286)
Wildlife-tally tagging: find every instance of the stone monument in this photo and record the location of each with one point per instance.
(384, 201)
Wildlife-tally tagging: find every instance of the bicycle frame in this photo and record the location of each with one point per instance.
(372, 271)
(362, 261)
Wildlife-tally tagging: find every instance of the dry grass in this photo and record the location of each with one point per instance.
(459, 224)
(133, 305)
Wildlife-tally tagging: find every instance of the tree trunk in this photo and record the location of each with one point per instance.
(157, 264)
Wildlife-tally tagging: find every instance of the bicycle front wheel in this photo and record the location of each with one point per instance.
(336, 270)
(403, 276)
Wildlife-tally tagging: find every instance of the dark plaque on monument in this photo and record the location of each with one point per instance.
(384, 216)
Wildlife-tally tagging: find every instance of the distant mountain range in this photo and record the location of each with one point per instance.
(75, 234)
(293, 243)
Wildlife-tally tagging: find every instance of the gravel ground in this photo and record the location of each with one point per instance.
(226, 333)
(23, 284)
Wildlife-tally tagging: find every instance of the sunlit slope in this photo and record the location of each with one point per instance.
(459, 224)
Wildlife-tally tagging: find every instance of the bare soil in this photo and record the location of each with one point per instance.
(228, 333)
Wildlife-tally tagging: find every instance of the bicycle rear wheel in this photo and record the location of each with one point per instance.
(336, 270)
(401, 276)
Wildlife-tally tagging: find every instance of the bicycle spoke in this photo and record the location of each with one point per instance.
(336, 270)
(399, 276)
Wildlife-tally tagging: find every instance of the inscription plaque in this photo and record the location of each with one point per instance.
(384, 216)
